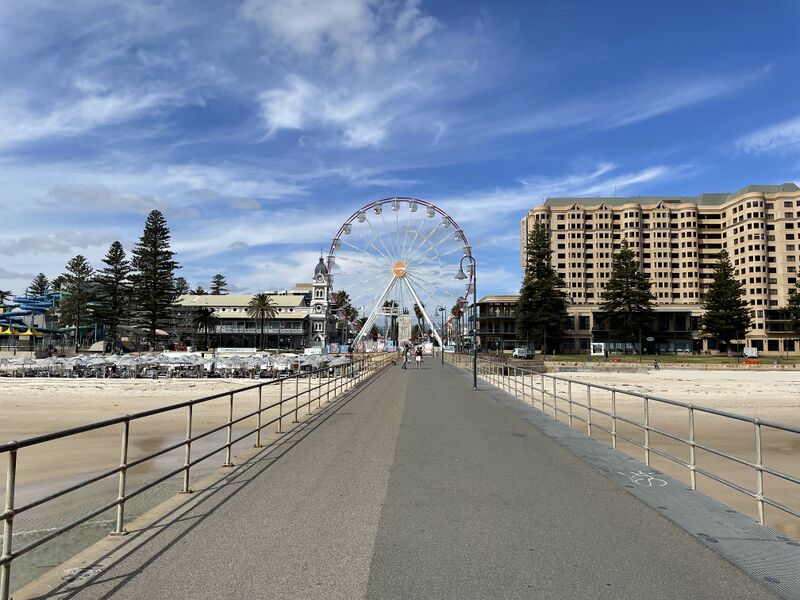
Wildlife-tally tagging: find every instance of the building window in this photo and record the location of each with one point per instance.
(317, 327)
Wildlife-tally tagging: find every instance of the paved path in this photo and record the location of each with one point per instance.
(418, 487)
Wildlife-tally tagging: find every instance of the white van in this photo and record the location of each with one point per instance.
(522, 353)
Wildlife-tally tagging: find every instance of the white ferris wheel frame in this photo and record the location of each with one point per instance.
(414, 204)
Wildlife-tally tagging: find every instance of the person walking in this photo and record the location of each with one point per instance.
(405, 359)
(418, 357)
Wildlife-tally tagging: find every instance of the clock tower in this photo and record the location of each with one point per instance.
(319, 304)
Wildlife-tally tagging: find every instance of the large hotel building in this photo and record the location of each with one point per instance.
(677, 241)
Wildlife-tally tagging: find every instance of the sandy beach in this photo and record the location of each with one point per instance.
(30, 407)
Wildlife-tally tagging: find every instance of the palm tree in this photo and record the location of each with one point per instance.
(4, 295)
(205, 319)
(261, 308)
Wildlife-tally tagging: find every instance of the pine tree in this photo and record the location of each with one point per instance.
(627, 299)
(78, 288)
(181, 286)
(198, 291)
(57, 283)
(727, 315)
(39, 286)
(114, 290)
(219, 287)
(153, 276)
(4, 295)
(542, 305)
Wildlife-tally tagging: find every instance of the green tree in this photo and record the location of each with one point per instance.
(373, 332)
(205, 319)
(39, 286)
(181, 286)
(261, 308)
(4, 295)
(114, 290)
(542, 305)
(627, 300)
(78, 288)
(727, 315)
(153, 276)
(57, 283)
(793, 310)
(346, 312)
(219, 287)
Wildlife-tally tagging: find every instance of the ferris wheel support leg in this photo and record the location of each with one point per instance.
(376, 309)
(424, 313)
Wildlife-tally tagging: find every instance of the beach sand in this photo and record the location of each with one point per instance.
(30, 407)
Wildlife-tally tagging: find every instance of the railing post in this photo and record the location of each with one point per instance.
(646, 407)
(692, 463)
(589, 415)
(759, 472)
(280, 405)
(569, 402)
(187, 451)
(555, 399)
(296, 393)
(123, 475)
(228, 442)
(308, 388)
(542, 374)
(516, 382)
(258, 420)
(8, 524)
(614, 419)
(328, 386)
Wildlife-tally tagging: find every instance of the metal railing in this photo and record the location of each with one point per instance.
(542, 389)
(337, 381)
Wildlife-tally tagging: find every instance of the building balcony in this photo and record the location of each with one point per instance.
(256, 330)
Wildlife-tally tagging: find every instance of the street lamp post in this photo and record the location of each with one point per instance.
(461, 276)
(442, 310)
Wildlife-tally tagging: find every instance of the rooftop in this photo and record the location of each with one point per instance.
(238, 300)
(701, 200)
(487, 299)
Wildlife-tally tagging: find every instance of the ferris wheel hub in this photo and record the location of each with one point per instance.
(399, 268)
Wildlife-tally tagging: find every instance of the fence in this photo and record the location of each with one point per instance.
(337, 381)
(560, 395)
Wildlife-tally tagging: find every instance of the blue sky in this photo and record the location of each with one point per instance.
(258, 126)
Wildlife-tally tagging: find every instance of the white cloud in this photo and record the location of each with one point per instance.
(92, 197)
(621, 107)
(775, 138)
(360, 33)
(19, 123)
(486, 209)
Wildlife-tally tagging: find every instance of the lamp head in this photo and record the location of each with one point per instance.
(460, 275)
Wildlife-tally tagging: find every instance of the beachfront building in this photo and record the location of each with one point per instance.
(497, 324)
(302, 318)
(677, 241)
(288, 330)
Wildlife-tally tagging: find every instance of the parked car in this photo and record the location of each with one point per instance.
(522, 353)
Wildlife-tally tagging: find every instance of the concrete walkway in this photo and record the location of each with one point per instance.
(418, 487)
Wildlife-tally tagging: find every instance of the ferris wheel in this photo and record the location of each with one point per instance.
(399, 256)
